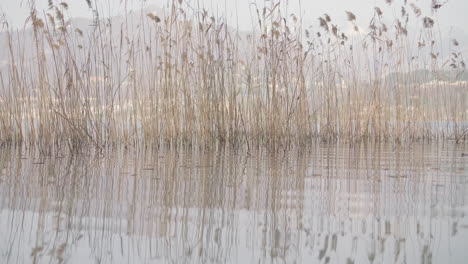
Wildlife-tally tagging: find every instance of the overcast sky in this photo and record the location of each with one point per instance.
(452, 17)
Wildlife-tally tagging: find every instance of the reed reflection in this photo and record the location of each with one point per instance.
(327, 204)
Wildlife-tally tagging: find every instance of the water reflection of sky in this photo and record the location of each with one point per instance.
(327, 204)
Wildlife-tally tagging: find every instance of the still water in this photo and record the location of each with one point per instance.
(324, 204)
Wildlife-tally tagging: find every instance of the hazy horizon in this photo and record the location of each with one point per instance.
(450, 17)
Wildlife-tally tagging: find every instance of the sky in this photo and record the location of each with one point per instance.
(452, 17)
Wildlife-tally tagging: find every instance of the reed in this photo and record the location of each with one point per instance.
(187, 77)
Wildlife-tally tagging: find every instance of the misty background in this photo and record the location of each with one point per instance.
(450, 20)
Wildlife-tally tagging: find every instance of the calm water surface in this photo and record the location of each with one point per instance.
(329, 204)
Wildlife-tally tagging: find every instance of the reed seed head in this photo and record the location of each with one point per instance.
(351, 16)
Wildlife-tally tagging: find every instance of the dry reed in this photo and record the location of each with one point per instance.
(186, 77)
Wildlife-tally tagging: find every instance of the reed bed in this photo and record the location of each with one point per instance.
(187, 77)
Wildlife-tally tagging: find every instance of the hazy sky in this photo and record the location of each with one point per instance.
(453, 15)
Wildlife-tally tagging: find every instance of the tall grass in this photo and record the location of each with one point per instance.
(187, 77)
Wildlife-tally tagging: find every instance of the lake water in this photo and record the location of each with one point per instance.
(324, 204)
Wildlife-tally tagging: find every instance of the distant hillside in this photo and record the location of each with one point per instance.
(132, 25)
(424, 76)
